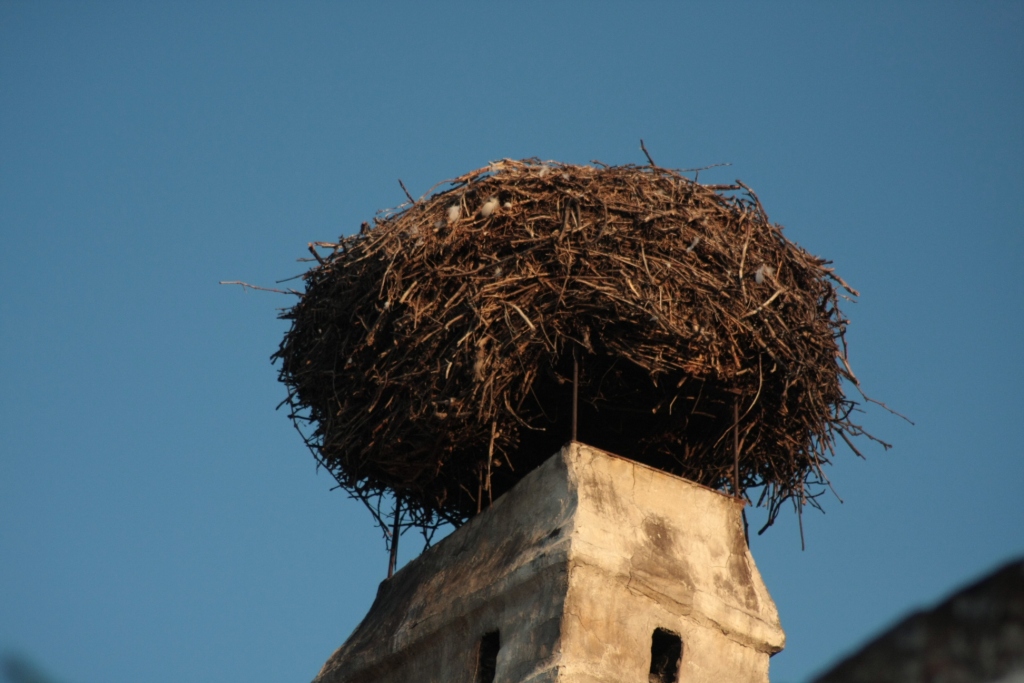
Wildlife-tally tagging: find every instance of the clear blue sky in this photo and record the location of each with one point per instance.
(160, 522)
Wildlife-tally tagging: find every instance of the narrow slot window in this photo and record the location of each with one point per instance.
(666, 653)
(487, 657)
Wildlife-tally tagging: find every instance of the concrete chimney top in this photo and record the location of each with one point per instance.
(592, 569)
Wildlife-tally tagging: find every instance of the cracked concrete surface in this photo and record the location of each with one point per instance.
(636, 549)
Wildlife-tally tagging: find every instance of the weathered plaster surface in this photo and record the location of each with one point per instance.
(575, 567)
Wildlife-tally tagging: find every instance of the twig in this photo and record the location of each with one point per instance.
(246, 285)
(705, 168)
(762, 306)
(411, 200)
(649, 159)
(312, 250)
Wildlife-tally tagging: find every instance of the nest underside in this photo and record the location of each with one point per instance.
(432, 355)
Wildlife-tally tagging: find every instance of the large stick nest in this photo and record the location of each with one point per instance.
(431, 356)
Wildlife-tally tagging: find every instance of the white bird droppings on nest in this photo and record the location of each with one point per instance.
(489, 207)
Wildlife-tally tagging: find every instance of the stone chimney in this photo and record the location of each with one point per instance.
(592, 569)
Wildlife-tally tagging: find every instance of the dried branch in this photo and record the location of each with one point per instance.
(246, 285)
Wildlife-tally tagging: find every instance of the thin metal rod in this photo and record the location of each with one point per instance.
(490, 458)
(736, 447)
(800, 517)
(480, 489)
(575, 393)
(393, 561)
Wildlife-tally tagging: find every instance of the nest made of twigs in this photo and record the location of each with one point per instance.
(431, 355)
